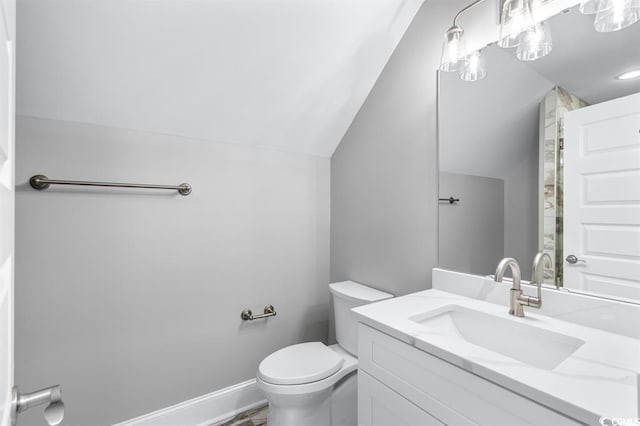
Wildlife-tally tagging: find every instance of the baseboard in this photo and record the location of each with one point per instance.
(205, 410)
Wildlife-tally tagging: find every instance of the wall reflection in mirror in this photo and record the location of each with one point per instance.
(504, 148)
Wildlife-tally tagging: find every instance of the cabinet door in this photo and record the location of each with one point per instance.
(380, 406)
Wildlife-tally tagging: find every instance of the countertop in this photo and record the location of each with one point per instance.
(599, 379)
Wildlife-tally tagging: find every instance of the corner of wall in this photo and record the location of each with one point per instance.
(384, 173)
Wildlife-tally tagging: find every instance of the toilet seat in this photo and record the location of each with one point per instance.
(300, 364)
(349, 366)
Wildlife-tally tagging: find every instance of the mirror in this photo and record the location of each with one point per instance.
(501, 148)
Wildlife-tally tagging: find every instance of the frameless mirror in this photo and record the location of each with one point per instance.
(502, 153)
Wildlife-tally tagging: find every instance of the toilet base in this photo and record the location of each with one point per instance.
(334, 406)
(344, 401)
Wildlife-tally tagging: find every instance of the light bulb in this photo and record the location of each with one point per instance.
(590, 7)
(473, 67)
(516, 18)
(615, 15)
(453, 49)
(535, 42)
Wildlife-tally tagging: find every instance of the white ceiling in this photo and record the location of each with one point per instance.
(586, 62)
(279, 74)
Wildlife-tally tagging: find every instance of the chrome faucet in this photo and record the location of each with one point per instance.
(516, 300)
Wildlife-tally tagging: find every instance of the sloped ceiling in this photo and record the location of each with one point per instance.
(280, 74)
(586, 62)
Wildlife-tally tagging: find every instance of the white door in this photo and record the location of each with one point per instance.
(7, 189)
(602, 198)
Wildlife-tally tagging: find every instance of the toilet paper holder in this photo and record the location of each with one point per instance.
(269, 311)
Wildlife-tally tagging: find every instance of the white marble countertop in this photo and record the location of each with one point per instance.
(599, 379)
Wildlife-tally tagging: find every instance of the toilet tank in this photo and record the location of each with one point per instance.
(347, 295)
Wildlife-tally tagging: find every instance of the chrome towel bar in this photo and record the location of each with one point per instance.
(269, 311)
(41, 182)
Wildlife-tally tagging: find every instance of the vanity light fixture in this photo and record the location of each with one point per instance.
(533, 40)
(517, 28)
(454, 52)
(629, 75)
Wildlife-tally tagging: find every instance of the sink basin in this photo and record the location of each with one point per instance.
(531, 345)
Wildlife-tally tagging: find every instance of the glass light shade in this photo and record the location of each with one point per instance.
(535, 42)
(453, 49)
(473, 67)
(590, 7)
(516, 17)
(615, 15)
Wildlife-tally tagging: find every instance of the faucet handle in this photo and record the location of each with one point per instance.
(534, 302)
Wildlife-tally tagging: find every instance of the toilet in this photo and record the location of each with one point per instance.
(314, 384)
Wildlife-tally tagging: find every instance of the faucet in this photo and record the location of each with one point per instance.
(537, 272)
(516, 300)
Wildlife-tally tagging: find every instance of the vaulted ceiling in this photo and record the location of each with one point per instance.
(280, 74)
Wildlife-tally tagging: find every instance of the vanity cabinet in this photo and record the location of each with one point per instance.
(400, 384)
(378, 405)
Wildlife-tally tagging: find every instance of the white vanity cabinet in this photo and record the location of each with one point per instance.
(378, 405)
(401, 385)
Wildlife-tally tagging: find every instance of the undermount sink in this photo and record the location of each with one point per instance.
(531, 345)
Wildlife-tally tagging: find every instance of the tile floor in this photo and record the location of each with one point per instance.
(254, 417)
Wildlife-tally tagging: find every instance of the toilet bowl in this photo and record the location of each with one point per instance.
(314, 384)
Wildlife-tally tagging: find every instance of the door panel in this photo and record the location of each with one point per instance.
(602, 198)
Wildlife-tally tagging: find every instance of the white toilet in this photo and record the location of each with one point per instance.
(313, 384)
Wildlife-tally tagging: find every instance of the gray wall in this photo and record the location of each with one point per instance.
(131, 300)
(471, 231)
(384, 173)
(498, 138)
(521, 205)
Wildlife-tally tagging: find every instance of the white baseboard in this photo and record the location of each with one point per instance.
(205, 410)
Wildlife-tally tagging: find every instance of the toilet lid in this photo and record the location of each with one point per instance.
(298, 364)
